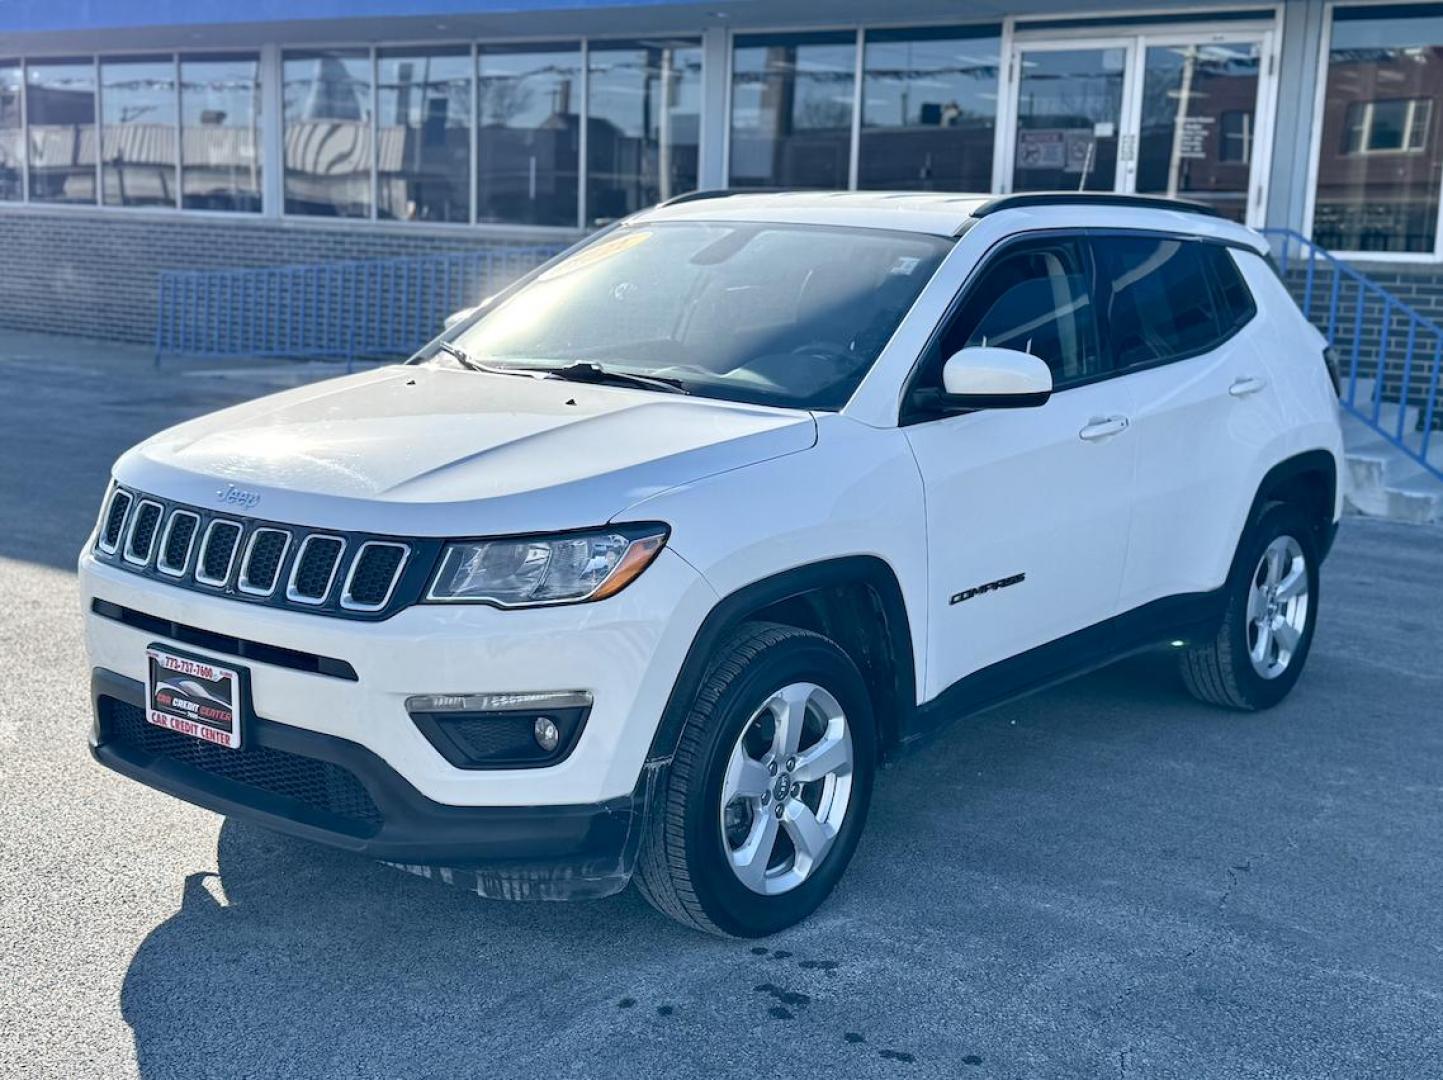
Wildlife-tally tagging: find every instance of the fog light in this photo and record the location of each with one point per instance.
(548, 736)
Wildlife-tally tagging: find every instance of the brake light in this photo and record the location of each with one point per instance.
(1330, 361)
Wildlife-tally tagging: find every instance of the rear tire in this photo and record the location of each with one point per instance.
(719, 853)
(1259, 650)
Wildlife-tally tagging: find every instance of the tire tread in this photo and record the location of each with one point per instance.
(662, 876)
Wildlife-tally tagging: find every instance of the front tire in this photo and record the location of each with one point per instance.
(1267, 631)
(768, 791)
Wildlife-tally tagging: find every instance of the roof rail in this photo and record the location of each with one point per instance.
(1090, 198)
(716, 193)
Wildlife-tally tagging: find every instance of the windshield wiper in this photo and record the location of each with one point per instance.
(470, 363)
(588, 371)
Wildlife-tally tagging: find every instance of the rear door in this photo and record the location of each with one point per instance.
(1027, 510)
(1178, 315)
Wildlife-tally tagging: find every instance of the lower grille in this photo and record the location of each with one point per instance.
(318, 785)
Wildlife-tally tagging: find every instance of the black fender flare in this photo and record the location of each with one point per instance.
(1276, 479)
(735, 608)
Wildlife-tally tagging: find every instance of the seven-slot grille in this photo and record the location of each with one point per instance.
(335, 574)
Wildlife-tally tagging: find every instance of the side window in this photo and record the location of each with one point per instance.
(1235, 301)
(1160, 299)
(1035, 297)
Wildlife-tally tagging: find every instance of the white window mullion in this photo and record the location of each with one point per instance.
(581, 163)
(475, 126)
(179, 135)
(24, 131)
(375, 137)
(99, 106)
(855, 156)
(272, 132)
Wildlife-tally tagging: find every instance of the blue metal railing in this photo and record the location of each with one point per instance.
(1395, 352)
(332, 311)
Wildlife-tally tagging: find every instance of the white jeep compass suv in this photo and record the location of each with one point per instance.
(642, 567)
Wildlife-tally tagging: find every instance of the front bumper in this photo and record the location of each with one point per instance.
(625, 651)
(336, 792)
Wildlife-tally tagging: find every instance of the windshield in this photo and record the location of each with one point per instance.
(770, 314)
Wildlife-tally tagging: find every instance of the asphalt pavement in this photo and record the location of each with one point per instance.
(1104, 880)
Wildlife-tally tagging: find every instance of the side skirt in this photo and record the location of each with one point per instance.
(1186, 617)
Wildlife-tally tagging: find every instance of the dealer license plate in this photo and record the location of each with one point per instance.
(195, 697)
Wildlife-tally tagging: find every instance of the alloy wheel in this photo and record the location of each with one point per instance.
(1277, 615)
(787, 788)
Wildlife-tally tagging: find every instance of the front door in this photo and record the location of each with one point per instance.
(1028, 510)
(1181, 114)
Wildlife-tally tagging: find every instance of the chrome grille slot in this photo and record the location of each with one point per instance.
(315, 569)
(373, 575)
(344, 575)
(115, 515)
(140, 540)
(261, 564)
(176, 542)
(217, 552)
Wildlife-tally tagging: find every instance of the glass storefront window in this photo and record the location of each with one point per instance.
(792, 110)
(423, 134)
(1379, 161)
(1069, 109)
(929, 109)
(137, 131)
(1197, 123)
(327, 100)
(60, 109)
(220, 144)
(644, 101)
(12, 133)
(528, 139)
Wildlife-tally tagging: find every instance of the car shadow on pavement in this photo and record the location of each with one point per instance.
(1105, 877)
(293, 959)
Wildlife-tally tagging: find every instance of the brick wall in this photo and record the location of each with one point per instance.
(1420, 288)
(94, 274)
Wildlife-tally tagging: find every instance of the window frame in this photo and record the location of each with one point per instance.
(912, 410)
(1315, 149)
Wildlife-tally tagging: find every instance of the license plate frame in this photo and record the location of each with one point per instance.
(195, 696)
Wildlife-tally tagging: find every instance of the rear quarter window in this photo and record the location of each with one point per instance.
(1168, 298)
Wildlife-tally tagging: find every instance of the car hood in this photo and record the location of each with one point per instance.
(432, 451)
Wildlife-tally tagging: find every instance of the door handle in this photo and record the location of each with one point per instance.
(1244, 385)
(1103, 427)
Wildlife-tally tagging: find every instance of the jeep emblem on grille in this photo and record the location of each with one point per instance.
(235, 496)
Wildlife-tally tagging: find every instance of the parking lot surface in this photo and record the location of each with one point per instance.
(1103, 880)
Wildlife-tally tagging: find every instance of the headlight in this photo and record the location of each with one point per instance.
(529, 571)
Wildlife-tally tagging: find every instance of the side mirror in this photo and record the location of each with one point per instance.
(983, 377)
(459, 316)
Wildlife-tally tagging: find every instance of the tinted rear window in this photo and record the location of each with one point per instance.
(1161, 303)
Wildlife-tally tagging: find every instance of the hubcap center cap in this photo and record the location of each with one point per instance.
(782, 788)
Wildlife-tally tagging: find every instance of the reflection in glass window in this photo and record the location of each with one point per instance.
(327, 101)
(1034, 298)
(792, 110)
(1160, 302)
(137, 132)
(1069, 108)
(220, 146)
(929, 109)
(644, 99)
(1197, 112)
(423, 134)
(1381, 127)
(1378, 159)
(60, 105)
(12, 132)
(1236, 136)
(529, 135)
